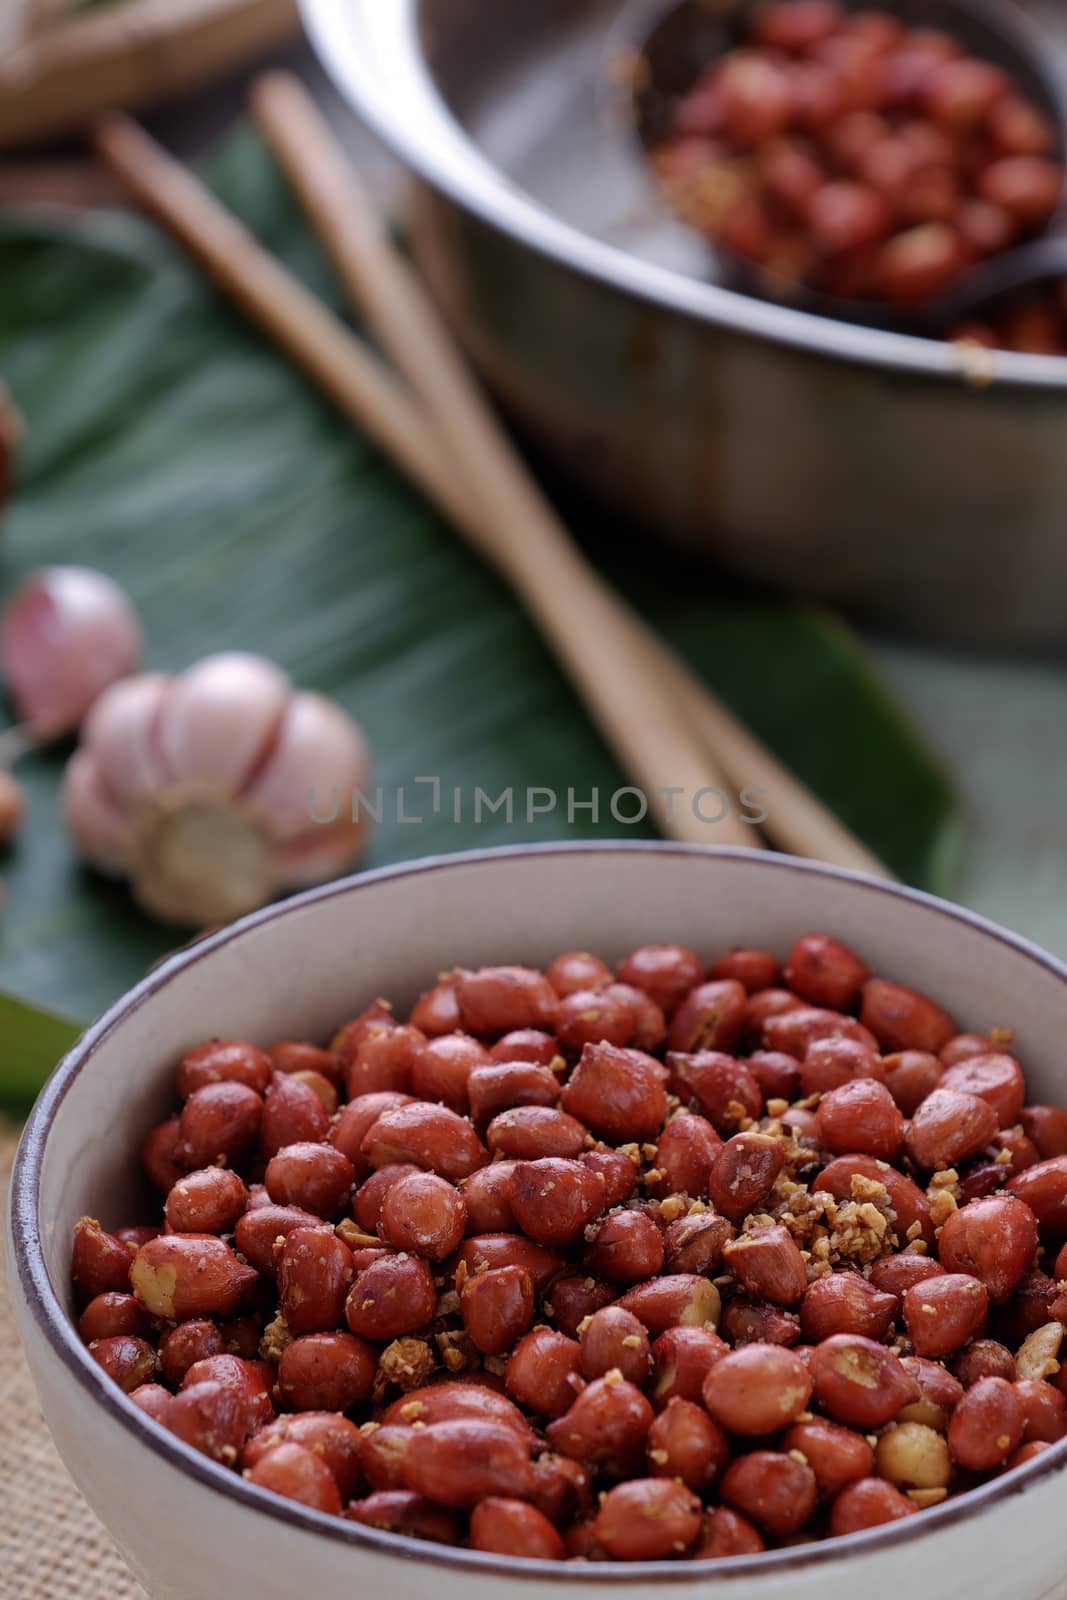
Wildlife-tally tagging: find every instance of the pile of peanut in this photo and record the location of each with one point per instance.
(666, 1262)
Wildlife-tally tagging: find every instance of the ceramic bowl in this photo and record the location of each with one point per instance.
(194, 1531)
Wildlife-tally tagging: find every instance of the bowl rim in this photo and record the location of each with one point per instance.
(60, 1332)
(422, 130)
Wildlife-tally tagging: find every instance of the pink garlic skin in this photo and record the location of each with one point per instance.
(229, 734)
(65, 636)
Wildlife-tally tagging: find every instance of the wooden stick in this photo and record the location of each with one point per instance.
(638, 717)
(514, 526)
(130, 53)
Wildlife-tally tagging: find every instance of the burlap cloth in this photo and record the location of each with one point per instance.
(51, 1545)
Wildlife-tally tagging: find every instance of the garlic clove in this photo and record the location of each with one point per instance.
(12, 807)
(121, 731)
(67, 634)
(323, 854)
(97, 824)
(199, 861)
(319, 758)
(220, 720)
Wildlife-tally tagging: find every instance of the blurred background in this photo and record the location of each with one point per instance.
(855, 544)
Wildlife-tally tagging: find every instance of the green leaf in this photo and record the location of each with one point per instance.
(172, 447)
(31, 1042)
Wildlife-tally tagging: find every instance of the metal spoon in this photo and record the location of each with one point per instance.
(669, 43)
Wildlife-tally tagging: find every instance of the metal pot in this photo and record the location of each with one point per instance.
(881, 471)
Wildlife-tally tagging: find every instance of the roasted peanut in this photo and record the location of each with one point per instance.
(861, 1116)
(710, 1017)
(505, 1250)
(943, 1313)
(754, 969)
(696, 1243)
(902, 1019)
(497, 1307)
(723, 1088)
(543, 1372)
(424, 1214)
(682, 1300)
(626, 1247)
(837, 1456)
(775, 1490)
(334, 1439)
(219, 1123)
(209, 1201)
(259, 1234)
(535, 1133)
(437, 1010)
(429, 1136)
(577, 969)
(497, 1000)
(354, 1120)
(618, 1094)
(845, 1302)
(605, 1427)
(326, 1372)
(684, 1442)
(987, 1425)
(292, 1114)
(107, 1316)
(745, 1173)
(666, 972)
(526, 1046)
(993, 1240)
(554, 1199)
(463, 1462)
(213, 1418)
(128, 1361)
(401, 1511)
(315, 1177)
(647, 1519)
(767, 1262)
(725, 1532)
(393, 1296)
(758, 1389)
(860, 1383)
(486, 1196)
(513, 1528)
(1044, 1190)
(682, 1359)
(297, 1474)
(100, 1263)
(614, 1340)
(868, 1504)
(825, 972)
(315, 1273)
(501, 1086)
(383, 1060)
(224, 1061)
(687, 1151)
(189, 1275)
(442, 1068)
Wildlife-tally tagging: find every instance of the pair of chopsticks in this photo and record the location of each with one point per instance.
(430, 415)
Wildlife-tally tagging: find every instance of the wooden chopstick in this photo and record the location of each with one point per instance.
(372, 397)
(64, 67)
(637, 715)
(389, 294)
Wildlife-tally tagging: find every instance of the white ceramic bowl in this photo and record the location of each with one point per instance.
(193, 1531)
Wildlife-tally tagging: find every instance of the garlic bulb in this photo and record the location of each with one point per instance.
(67, 634)
(200, 788)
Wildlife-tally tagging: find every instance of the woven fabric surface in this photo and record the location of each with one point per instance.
(52, 1547)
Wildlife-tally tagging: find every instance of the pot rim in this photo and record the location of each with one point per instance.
(58, 1329)
(372, 51)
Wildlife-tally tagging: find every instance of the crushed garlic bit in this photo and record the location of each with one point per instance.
(407, 1363)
